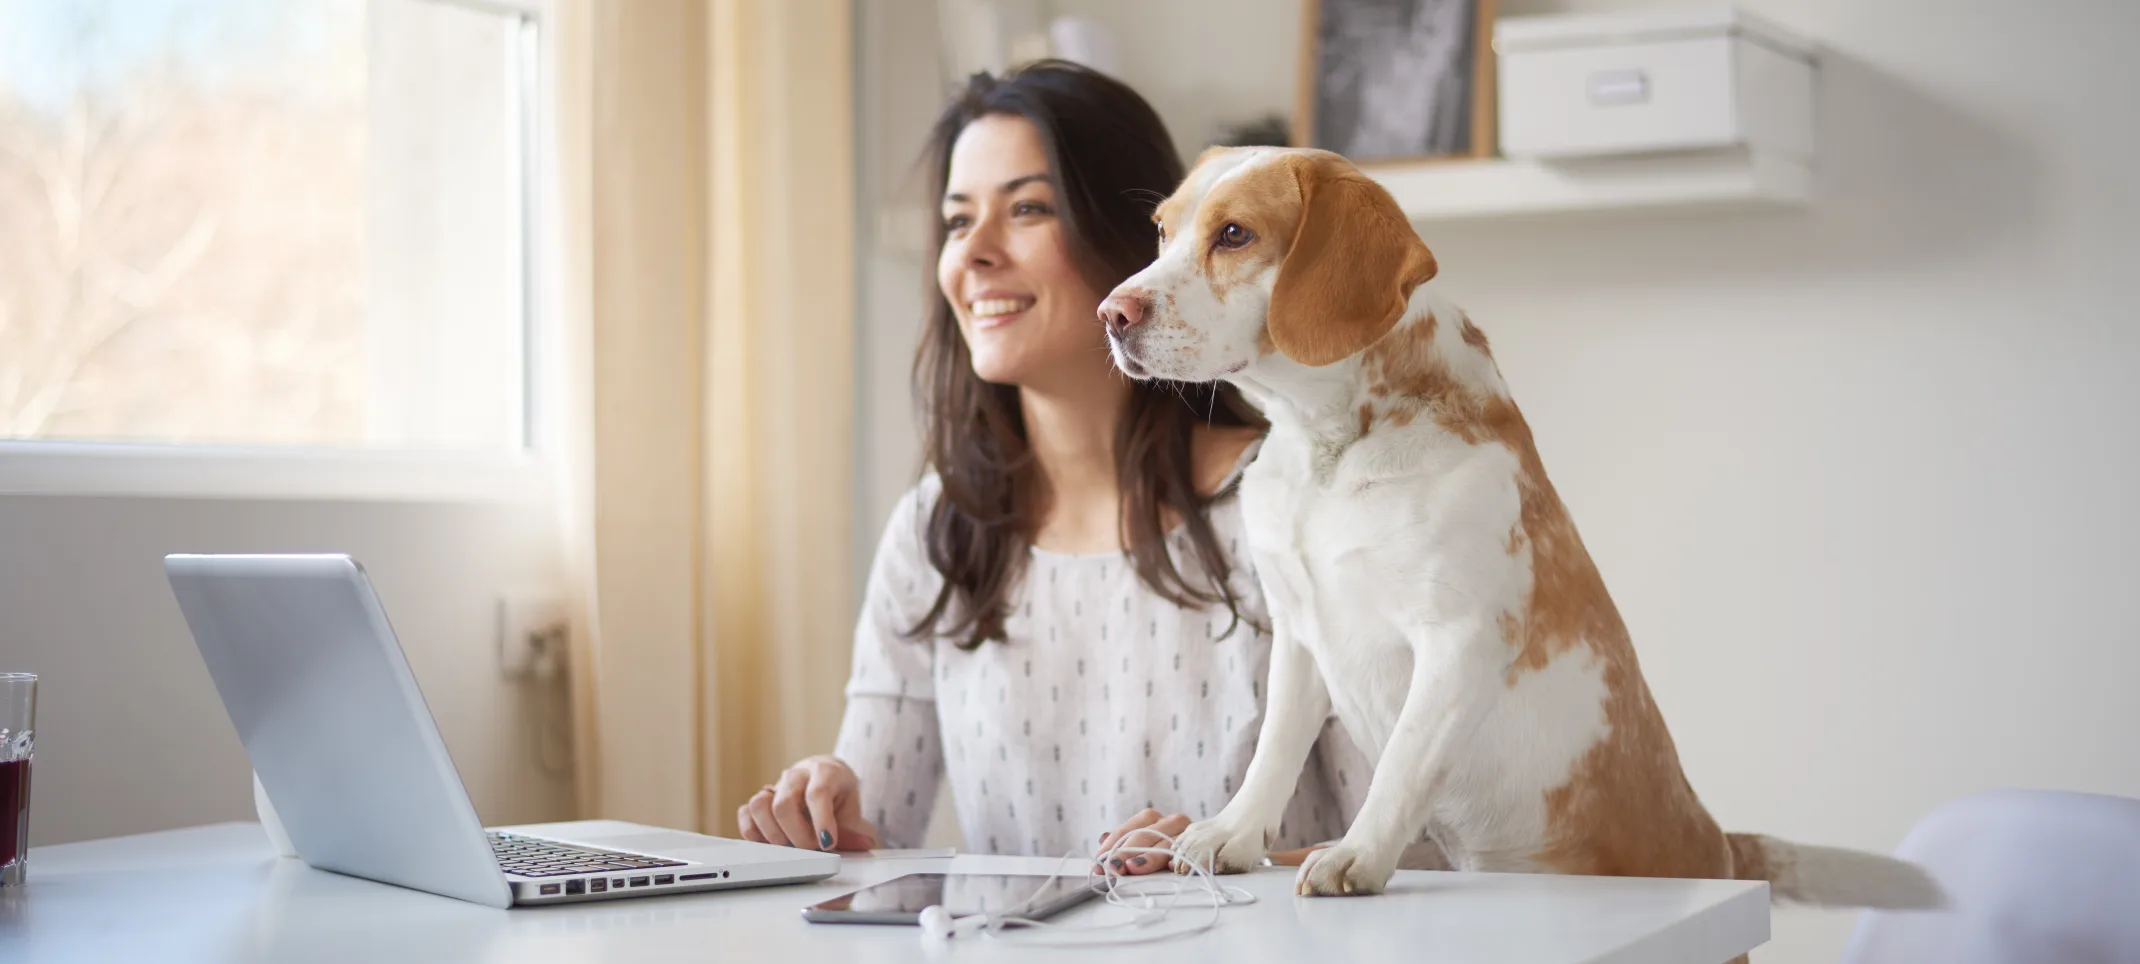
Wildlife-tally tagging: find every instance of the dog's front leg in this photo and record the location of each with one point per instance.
(1240, 836)
(1456, 677)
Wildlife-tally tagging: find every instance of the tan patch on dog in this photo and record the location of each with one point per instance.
(1367, 416)
(1568, 605)
(1475, 338)
(1350, 267)
(1192, 191)
(1168, 215)
(1265, 200)
(1750, 860)
(1405, 373)
(1626, 809)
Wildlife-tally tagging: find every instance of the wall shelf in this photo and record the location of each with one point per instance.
(1431, 192)
(1727, 179)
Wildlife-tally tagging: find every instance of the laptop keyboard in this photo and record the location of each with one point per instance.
(535, 857)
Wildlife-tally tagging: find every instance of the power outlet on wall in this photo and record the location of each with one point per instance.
(533, 629)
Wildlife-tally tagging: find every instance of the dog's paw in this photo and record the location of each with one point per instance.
(1342, 871)
(1221, 845)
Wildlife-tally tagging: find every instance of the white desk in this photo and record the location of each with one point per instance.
(218, 894)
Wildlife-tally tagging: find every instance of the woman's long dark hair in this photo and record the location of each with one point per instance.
(1113, 162)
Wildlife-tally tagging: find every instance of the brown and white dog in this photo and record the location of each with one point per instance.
(1424, 580)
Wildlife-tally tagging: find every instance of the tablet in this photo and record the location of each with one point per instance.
(900, 900)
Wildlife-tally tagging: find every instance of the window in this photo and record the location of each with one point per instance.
(266, 223)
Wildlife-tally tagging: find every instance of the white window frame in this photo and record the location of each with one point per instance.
(182, 470)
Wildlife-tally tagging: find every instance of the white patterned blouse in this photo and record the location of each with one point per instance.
(1105, 699)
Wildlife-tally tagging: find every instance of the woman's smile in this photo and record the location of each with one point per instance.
(996, 309)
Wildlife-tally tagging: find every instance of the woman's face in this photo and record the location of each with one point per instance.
(1026, 311)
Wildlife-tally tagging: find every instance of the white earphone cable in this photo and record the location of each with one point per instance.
(1153, 899)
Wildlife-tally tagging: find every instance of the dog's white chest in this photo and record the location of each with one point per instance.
(1363, 554)
(1315, 554)
(1294, 533)
(1381, 575)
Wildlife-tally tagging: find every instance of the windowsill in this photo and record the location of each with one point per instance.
(240, 472)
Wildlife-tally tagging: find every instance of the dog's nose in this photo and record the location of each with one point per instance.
(1122, 311)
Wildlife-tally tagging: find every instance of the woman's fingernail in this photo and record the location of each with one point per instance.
(824, 839)
(1139, 861)
(1116, 862)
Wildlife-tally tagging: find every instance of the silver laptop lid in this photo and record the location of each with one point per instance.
(323, 699)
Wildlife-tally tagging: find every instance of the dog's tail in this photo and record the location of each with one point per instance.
(1830, 877)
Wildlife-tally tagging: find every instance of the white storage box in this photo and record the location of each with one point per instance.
(1592, 85)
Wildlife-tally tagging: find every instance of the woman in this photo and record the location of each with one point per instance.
(1059, 616)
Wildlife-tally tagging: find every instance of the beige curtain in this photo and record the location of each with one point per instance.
(706, 170)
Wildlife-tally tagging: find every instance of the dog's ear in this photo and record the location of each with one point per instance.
(1353, 264)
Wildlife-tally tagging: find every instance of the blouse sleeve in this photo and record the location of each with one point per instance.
(889, 735)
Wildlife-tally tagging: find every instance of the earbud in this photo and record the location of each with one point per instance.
(937, 924)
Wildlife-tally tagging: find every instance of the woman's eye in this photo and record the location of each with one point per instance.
(1030, 207)
(956, 222)
(1235, 236)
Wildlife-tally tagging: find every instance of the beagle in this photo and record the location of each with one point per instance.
(1425, 582)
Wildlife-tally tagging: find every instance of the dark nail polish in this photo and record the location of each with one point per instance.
(1139, 861)
(824, 839)
(1117, 862)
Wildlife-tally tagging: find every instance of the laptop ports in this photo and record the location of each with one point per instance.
(639, 881)
(661, 880)
(597, 885)
(574, 888)
(549, 890)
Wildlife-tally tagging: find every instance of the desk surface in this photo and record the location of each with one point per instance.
(217, 894)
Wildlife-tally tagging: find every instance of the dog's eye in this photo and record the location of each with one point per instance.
(1235, 236)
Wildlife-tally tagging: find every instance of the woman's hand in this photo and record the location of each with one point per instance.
(816, 804)
(1143, 830)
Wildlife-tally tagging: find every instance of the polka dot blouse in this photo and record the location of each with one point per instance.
(1105, 699)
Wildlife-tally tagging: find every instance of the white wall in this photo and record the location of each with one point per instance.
(1860, 478)
(1202, 64)
(898, 91)
(131, 736)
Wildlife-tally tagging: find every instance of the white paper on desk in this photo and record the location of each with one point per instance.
(915, 853)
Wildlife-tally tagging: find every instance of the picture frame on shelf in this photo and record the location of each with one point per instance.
(1389, 81)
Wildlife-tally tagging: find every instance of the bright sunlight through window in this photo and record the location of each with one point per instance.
(265, 222)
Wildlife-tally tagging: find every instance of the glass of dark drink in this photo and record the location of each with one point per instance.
(18, 719)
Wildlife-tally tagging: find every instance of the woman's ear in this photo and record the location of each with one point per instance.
(1351, 269)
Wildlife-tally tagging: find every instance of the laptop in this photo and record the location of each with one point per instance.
(317, 686)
